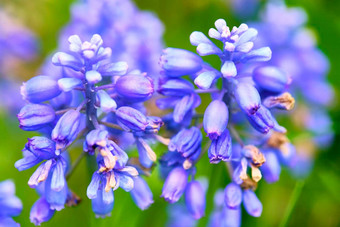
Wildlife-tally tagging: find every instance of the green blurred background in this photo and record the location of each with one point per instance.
(319, 201)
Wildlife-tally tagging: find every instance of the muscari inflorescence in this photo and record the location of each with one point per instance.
(99, 103)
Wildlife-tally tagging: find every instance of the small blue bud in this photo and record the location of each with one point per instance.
(106, 103)
(220, 148)
(204, 45)
(174, 185)
(215, 119)
(141, 193)
(134, 88)
(35, 116)
(178, 62)
(39, 89)
(67, 84)
(175, 87)
(67, 60)
(66, 129)
(228, 69)
(205, 79)
(195, 199)
(247, 97)
(251, 203)
(93, 76)
(41, 212)
(259, 55)
(271, 78)
(131, 119)
(233, 195)
(41, 147)
(113, 69)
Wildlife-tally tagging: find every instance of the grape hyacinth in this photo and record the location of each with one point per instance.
(133, 35)
(296, 58)
(106, 104)
(235, 99)
(10, 205)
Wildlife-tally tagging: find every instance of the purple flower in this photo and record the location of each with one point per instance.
(135, 88)
(66, 129)
(220, 148)
(131, 119)
(141, 193)
(174, 185)
(247, 98)
(251, 203)
(35, 116)
(187, 142)
(233, 195)
(195, 199)
(178, 62)
(271, 78)
(215, 119)
(41, 212)
(40, 89)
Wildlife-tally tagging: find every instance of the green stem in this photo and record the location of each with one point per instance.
(292, 202)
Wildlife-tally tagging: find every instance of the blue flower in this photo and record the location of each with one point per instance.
(141, 193)
(174, 185)
(35, 116)
(41, 212)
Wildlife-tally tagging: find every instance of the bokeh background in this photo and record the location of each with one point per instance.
(317, 204)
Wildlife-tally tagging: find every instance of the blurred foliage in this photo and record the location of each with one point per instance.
(319, 201)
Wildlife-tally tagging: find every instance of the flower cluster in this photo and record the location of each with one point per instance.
(295, 53)
(236, 98)
(10, 205)
(99, 102)
(134, 36)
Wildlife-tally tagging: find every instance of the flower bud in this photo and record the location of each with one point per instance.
(67, 60)
(247, 98)
(195, 199)
(39, 89)
(41, 147)
(66, 129)
(134, 88)
(41, 212)
(251, 203)
(174, 185)
(262, 120)
(231, 217)
(233, 195)
(215, 119)
(178, 62)
(35, 116)
(271, 169)
(131, 119)
(187, 142)
(220, 148)
(106, 103)
(141, 193)
(93, 76)
(67, 84)
(175, 87)
(271, 78)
